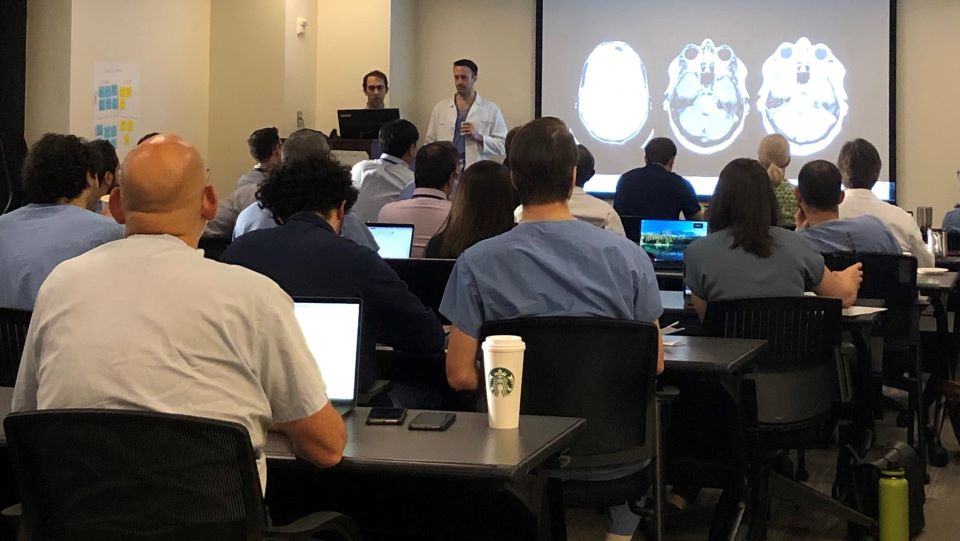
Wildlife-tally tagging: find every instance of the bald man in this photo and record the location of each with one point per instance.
(187, 335)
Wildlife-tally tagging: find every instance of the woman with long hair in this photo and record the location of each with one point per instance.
(774, 155)
(482, 209)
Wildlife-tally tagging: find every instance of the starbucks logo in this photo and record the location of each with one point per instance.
(501, 382)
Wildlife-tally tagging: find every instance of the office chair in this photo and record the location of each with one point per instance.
(13, 334)
(603, 370)
(213, 247)
(798, 386)
(631, 226)
(893, 279)
(114, 474)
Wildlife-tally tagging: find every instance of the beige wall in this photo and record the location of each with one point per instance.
(496, 34)
(403, 60)
(48, 68)
(172, 47)
(927, 157)
(246, 81)
(300, 66)
(352, 38)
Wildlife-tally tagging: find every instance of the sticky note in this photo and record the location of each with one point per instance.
(99, 130)
(114, 90)
(122, 104)
(126, 140)
(114, 103)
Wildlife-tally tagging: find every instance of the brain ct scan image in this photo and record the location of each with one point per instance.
(706, 99)
(614, 98)
(802, 97)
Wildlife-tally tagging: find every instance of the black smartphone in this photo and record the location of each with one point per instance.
(386, 416)
(433, 420)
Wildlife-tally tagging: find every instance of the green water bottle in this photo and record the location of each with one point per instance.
(894, 505)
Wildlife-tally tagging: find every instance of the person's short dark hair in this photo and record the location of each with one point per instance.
(304, 144)
(819, 183)
(507, 142)
(103, 159)
(56, 168)
(147, 137)
(312, 184)
(660, 150)
(436, 162)
(542, 158)
(397, 136)
(744, 202)
(585, 165)
(467, 63)
(263, 142)
(860, 164)
(379, 74)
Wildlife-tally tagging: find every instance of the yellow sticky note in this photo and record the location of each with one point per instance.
(126, 140)
(123, 104)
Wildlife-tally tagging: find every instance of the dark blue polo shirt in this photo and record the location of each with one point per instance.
(307, 258)
(654, 193)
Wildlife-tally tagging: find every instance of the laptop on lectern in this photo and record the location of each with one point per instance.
(364, 123)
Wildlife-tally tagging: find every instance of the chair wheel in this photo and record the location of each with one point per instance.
(939, 457)
(904, 419)
(803, 476)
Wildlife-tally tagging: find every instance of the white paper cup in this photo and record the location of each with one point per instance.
(503, 379)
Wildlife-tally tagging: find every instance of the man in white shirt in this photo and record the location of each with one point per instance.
(186, 334)
(429, 207)
(584, 206)
(860, 164)
(474, 125)
(381, 181)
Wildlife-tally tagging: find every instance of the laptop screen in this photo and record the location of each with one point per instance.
(395, 240)
(332, 330)
(666, 240)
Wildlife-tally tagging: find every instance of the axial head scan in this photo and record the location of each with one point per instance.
(614, 99)
(802, 97)
(706, 99)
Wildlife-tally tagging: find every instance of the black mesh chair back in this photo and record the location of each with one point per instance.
(631, 227)
(603, 370)
(426, 278)
(13, 334)
(891, 278)
(797, 381)
(109, 474)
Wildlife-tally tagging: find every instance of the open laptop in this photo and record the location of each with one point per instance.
(667, 240)
(426, 278)
(364, 123)
(395, 240)
(332, 329)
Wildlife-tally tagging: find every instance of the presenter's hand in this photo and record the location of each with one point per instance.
(467, 129)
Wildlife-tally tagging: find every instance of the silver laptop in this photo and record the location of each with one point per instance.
(395, 240)
(332, 329)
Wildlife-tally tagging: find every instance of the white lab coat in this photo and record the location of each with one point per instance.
(486, 118)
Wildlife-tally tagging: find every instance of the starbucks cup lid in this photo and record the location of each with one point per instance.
(503, 342)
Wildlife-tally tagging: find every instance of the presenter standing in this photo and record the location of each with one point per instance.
(474, 125)
(375, 88)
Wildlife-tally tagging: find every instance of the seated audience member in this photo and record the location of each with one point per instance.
(655, 191)
(551, 264)
(860, 165)
(951, 220)
(104, 164)
(302, 144)
(61, 190)
(381, 181)
(429, 207)
(482, 209)
(584, 206)
(307, 256)
(188, 335)
(265, 148)
(745, 255)
(774, 154)
(818, 220)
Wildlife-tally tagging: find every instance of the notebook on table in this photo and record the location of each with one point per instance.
(667, 240)
(331, 327)
(395, 240)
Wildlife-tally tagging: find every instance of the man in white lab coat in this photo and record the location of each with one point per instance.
(474, 125)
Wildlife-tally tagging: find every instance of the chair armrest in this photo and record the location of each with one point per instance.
(337, 527)
(376, 389)
(666, 394)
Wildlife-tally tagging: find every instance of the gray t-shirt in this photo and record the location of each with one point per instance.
(716, 271)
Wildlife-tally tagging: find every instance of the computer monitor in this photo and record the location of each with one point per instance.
(395, 240)
(364, 123)
(331, 327)
(666, 240)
